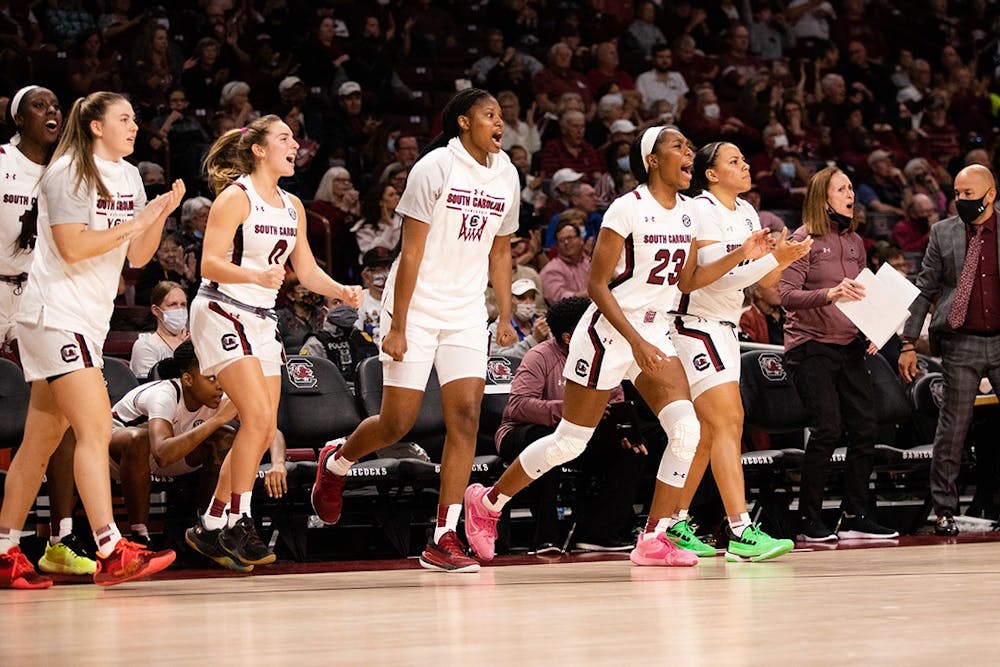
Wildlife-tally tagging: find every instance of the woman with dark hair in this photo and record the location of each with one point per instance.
(641, 266)
(704, 333)
(379, 225)
(91, 69)
(92, 215)
(459, 210)
(172, 262)
(825, 356)
(253, 230)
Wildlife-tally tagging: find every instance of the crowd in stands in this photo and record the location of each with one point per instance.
(900, 94)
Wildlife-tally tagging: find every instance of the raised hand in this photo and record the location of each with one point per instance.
(787, 251)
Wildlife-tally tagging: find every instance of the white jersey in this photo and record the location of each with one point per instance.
(466, 205)
(657, 241)
(19, 187)
(79, 297)
(729, 228)
(159, 400)
(264, 239)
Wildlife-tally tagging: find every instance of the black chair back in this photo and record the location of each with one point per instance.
(317, 404)
(770, 400)
(14, 395)
(118, 378)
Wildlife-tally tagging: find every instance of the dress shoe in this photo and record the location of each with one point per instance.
(945, 526)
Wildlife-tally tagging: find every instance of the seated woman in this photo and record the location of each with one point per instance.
(169, 307)
(338, 201)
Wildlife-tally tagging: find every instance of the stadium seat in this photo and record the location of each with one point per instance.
(316, 404)
(118, 378)
(14, 394)
(430, 420)
(119, 344)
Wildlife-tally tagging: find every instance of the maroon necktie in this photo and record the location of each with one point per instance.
(960, 304)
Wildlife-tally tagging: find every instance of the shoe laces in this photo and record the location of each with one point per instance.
(129, 550)
(72, 543)
(19, 564)
(449, 542)
(247, 534)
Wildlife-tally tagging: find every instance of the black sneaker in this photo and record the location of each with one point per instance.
(206, 542)
(813, 530)
(242, 542)
(945, 525)
(861, 527)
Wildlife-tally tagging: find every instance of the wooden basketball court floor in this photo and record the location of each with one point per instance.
(915, 605)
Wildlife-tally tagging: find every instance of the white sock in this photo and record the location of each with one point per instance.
(244, 509)
(139, 529)
(65, 528)
(498, 505)
(741, 524)
(450, 523)
(338, 465)
(679, 515)
(9, 539)
(106, 538)
(661, 527)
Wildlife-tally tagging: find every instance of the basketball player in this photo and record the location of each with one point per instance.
(92, 215)
(459, 209)
(638, 271)
(253, 229)
(704, 334)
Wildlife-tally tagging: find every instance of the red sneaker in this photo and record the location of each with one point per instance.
(130, 561)
(447, 555)
(16, 571)
(328, 489)
(480, 523)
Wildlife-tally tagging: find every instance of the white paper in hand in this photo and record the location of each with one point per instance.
(888, 295)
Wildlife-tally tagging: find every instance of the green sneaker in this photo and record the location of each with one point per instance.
(755, 545)
(66, 557)
(682, 533)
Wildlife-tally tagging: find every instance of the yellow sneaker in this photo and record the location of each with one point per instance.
(67, 557)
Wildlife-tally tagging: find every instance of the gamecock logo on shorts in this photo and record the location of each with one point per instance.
(301, 374)
(498, 371)
(582, 367)
(230, 342)
(700, 362)
(69, 353)
(771, 367)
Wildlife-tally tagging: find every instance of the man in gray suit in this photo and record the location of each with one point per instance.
(961, 271)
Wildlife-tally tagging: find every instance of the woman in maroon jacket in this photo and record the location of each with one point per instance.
(825, 356)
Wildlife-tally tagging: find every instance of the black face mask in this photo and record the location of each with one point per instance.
(970, 209)
(842, 221)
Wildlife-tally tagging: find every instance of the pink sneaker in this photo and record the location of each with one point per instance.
(480, 523)
(660, 550)
(328, 489)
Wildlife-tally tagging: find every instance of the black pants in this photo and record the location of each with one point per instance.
(606, 515)
(836, 389)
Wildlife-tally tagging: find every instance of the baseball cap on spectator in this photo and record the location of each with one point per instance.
(287, 83)
(877, 155)
(522, 287)
(349, 88)
(565, 175)
(623, 126)
(377, 256)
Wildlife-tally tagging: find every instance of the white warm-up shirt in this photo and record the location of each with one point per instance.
(18, 195)
(79, 297)
(466, 205)
(728, 228)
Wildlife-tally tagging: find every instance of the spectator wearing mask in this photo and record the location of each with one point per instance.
(912, 233)
(376, 263)
(529, 325)
(169, 305)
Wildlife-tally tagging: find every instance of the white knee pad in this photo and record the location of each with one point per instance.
(683, 431)
(567, 443)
